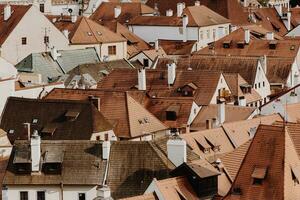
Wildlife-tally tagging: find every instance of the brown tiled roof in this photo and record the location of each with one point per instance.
(156, 21)
(260, 32)
(86, 31)
(154, 54)
(272, 158)
(133, 165)
(256, 47)
(149, 196)
(234, 82)
(6, 27)
(295, 16)
(157, 85)
(232, 113)
(175, 47)
(292, 111)
(119, 108)
(278, 69)
(79, 157)
(105, 12)
(134, 43)
(229, 9)
(52, 113)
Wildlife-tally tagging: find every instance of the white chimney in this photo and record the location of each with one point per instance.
(66, 33)
(142, 79)
(54, 53)
(221, 112)
(103, 192)
(156, 45)
(289, 15)
(35, 147)
(185, 21)
(179, 9)
(270, 36)
(171, 73)
(242, 101)
(197, 3)
(105, 150)
(73, 18)
(169, 13)
(7, 12)
(245, 3)
(117, 11)
(176, 148)
(247, 36)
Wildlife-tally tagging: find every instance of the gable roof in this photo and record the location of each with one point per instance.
(52, 115)
(119, 108)
(6, 27)
(105, 12)
(229, 9)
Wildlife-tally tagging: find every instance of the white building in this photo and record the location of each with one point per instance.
(25, 30)
(196, 23)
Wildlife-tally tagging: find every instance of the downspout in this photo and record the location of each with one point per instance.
(62, 190)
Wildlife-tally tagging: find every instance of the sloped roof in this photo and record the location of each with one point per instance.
(119, 108)
(229, 9)
(80, 158)
(52, 113)
(105, 12)
(278, 69)
(6, 27)
(175, 47)
(256, 47)
(271, 149)
(149, 196)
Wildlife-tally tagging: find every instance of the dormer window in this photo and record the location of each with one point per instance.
(172, 112)
(241, 44)
(258, 175)
(203, 145)
(52, 163)
(72, 115)
(227, 44)
(272, 44)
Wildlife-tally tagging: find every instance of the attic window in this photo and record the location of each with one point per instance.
(241, 44)
(272, 44)
(258, 175)
(144, 121)
(295, 174)
(99, 33)
(214, 145)
(49, 129)
(172, 112)
(226, 44)
(72, 115)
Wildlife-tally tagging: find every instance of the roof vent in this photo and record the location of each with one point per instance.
(227, 44)
(272, 44)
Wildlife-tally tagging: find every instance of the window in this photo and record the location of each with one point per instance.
(46, 39)
(146, 62)
(23, 195)
(208, 34)
(214, 33)
(255, 86)
(41, 195)
(24, 40)
(258, 85)
(81, 196)
(112, 50)
(42, 7)
(201, 35)
(263, 84)
(257, 181)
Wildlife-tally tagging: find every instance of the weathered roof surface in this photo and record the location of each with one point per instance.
(51, 70)
(119, 108)
(52, 115)
(256, 47)
(87, 31)
(260, 32)
(135, 44)
(82, 164)
(229, 9)
(206, 82)
(175, 47)
(149, 196)
(232, 113)
(183, 107)
(6, 27)
(235, 81)
(278, 69)
(153, 54)
(272, 158)
(292, 111)
(105, 12)
(97, 71)
(295, 16)
(133, 169)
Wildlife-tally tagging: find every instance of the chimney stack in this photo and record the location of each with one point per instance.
(169, 13)
(117, 11)
(171, 73)
(247, 36)
(179, 9)
(289, 15)
(35, 147)
(245, 3)
(7, 12)
(221, 112)
(242, 101)
(176, 148)
(185, 21)
(73, 18)
(105, 150)
(66, 33)
(156, 45)
(103, 192)
(270, 36)
(197, 3)
(142, 79)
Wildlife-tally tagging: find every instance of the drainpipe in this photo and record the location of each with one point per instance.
(62, 190)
